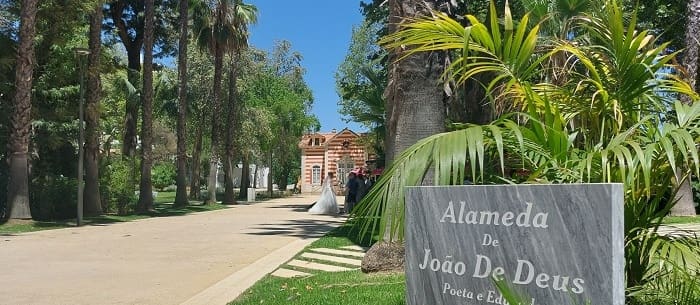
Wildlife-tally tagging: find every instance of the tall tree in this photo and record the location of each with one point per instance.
(92, 203)
(209, 23)
(243, 14)
(361, 81)
(129, 27)
(218, 25)
(181, 181)
(199, 97)
(126, 20)
(685, 206)
(414, 101)
(145, 198)
(413, 95)
(18, 152)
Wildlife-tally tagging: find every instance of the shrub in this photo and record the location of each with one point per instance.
(120, 187)
(163, 174)
(53, 197)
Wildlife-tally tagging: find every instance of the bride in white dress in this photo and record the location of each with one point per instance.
(326, 204)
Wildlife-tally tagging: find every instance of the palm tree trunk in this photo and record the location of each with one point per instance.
(196, 153)
(181, 181)
(216, 108)
(92, 203)
(230, 123)
(146, 187)
(18, 152)
(418, 105)
(245, 178)
(415, 105)
(685, 206)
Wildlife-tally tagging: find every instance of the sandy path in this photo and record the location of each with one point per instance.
(153, 261)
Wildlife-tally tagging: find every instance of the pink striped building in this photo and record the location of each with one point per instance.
(334, 152)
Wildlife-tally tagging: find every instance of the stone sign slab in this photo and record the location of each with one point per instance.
(557, 244)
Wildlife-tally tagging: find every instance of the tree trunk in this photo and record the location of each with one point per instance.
(414, 98)
(118, 10)
(196, 166)
(269, 175)
(216, 109)
(18, 152)
(245, 178)
(146, 187)
(229, 192)
(92, 199)
(230, 123)
(685, 206)
(691, 54)
(255, 177)
(181, 181)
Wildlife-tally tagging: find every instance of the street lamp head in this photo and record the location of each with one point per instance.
(81, 51)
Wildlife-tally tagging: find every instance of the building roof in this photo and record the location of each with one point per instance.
(326, 136)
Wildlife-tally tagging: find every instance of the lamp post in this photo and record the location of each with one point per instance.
(81, 53)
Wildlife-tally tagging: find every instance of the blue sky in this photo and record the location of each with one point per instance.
(318, 29)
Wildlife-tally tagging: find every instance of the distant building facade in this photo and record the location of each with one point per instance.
(334, 152)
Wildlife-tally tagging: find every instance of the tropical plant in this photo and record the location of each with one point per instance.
(615, 118)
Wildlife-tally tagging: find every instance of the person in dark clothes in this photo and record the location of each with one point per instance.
(351, 187)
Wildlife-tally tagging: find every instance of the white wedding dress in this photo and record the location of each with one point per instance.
(326, 204)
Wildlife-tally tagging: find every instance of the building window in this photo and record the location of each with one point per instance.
(317, 142)
(316, 175)
(345, 165)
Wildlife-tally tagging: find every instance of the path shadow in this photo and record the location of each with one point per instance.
(293, 207)
(298, 227)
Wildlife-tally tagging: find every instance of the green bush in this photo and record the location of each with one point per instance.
(163, 174)
(119, 185)
(53, 197)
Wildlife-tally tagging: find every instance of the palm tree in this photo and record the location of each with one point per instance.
(413, 94)
(414, 98)
(18, 148)
(607, 122)
(145, 187)
(244, 14)
(220, 28)
(691, 60)
(181, 181)
(93, 205)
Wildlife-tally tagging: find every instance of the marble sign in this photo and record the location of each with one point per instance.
(556, 244)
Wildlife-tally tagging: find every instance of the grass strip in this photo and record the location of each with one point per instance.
(162, 208)
(348, 288)
(681, 219)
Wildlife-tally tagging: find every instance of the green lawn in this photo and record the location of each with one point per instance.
(162, 208)
(681, 219)
(347, 288)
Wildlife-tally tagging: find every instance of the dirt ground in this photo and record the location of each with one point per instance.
(152, 261)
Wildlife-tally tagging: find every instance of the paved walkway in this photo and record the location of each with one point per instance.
(204, 258)
(681, 229)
